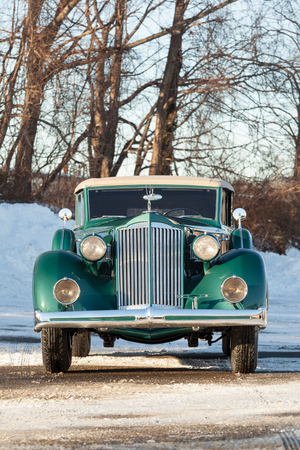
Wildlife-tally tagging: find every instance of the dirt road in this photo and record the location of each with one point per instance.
(145, 408)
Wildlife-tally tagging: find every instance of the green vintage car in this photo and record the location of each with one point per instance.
(151, 260)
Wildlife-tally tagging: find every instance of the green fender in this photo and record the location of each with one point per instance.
(64, 239)
(235, 239)
(244, 263)
(97, 293)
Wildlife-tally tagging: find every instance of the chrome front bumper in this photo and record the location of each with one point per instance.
(150, 318)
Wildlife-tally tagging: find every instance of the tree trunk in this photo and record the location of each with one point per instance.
(39, 43)
(166, 108)
(32, 105)
(170, 124)
(29, 122)
(297, 148)
(297, 163)
(106, 122)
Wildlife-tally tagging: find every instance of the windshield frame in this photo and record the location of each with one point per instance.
(143, 188)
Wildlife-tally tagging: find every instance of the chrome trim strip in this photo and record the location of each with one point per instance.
(62, 238)
(150, 318)
(208, 229)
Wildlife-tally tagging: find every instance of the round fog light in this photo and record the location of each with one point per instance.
(234, 289)
(66, 291)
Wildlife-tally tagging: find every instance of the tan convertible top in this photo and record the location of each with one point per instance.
(152, 180)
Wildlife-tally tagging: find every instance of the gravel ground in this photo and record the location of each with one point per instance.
(110, 408)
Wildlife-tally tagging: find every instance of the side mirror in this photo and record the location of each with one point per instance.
(239, 214)
(65, 214)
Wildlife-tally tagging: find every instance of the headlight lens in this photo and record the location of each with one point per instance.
(66, 291)
(234, 289)
(93, 248)
(206, 247)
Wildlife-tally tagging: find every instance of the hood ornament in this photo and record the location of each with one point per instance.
(151, 198)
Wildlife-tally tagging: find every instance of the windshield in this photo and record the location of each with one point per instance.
(175, 202)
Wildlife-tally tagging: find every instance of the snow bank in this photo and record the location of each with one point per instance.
(27, 231)
(283, 273)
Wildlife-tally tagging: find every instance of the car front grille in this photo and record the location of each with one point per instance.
(144, 256)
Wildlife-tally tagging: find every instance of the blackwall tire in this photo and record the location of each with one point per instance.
(244, 349)
(226, 344)
(81, 344)
(56, 349)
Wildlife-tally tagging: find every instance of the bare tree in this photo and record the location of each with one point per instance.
(162, 154)
(266, 93)
(39, 41)
(106, 77)
(277, 106)
(101, 84)
(12, 60)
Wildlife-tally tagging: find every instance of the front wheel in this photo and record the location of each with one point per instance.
(81, 344)
(244, 349)
(56, 349)
(226, 343)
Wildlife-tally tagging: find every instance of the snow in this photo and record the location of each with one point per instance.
(29, 413)
(27, 231)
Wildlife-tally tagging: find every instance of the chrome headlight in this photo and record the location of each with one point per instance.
(234, 289)
(93, 248)
(66, 291)
(206, 247)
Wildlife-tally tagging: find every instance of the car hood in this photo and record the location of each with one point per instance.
(106, 225)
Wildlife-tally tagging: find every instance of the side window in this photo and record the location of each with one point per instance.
(231, 197)
(224, 216)
(80, 210)
(226, 210)
(76, 210)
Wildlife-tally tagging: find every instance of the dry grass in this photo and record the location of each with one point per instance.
(60, 193)
(273, 213)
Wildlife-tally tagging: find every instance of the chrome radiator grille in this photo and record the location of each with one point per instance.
(134, 267)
